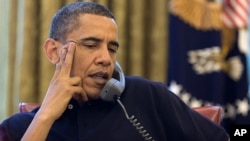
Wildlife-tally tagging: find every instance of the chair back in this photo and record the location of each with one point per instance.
(3, 134)
(27, 107)
(214, 113)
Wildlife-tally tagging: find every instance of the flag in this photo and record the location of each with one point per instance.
(235, 13)
(206, 64)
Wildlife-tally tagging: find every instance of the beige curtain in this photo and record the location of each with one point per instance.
(25, 71)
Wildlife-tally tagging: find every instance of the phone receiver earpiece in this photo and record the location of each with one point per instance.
(115, 86)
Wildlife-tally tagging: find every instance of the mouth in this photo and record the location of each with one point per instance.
(100, 78)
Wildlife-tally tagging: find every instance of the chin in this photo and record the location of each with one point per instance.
(93, 96)
(78, 98)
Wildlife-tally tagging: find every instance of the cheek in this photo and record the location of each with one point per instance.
(79, 65)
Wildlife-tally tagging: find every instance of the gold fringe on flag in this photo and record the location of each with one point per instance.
(201, 14)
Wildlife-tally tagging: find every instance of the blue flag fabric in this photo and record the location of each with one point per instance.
(200, 75)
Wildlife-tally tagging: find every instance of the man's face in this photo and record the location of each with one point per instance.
(95, 54)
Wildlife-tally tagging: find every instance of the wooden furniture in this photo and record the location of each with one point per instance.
(214, 113)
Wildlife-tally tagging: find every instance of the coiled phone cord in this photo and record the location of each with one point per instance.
(136, 123)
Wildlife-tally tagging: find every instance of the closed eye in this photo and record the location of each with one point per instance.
(113, 49)
(90, 45)
(90, 42)
(113, 46)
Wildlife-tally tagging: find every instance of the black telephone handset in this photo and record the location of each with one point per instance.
(115, 86)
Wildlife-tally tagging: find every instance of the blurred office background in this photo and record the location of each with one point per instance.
(162, 40)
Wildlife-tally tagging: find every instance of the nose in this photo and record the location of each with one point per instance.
(104, 57)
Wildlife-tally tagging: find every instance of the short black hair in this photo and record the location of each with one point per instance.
(66, 19)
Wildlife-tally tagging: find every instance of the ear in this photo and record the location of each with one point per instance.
(52, 50)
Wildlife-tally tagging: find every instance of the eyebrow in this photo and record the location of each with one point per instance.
(115, 43)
